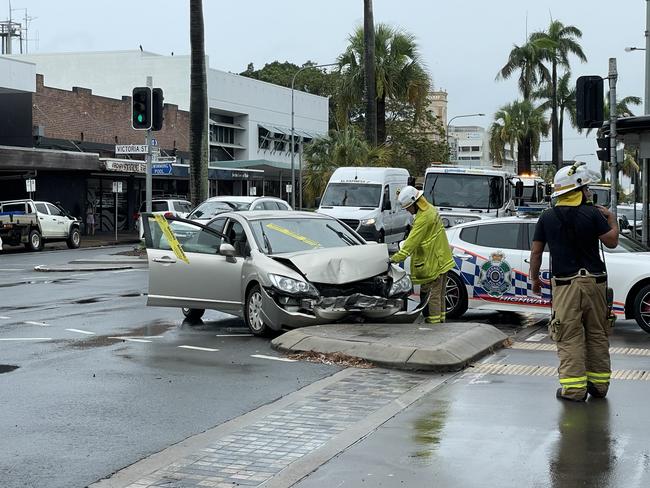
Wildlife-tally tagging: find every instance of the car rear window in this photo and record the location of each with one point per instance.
(159, 206)
(184, 207)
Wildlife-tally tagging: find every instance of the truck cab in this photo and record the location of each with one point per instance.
(465, 194)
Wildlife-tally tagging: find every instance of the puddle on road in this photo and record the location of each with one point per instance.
(131, 295)
(155, 328)
(89, 300)
(7, 368)
(428, 433)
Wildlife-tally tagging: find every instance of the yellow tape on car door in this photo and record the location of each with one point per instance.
(171, 238)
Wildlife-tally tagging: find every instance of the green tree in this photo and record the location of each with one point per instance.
(399, 74)
(198, 107)
(563, 42)
(566, 102)
(345, 147)
(528, 60)
(518, 123)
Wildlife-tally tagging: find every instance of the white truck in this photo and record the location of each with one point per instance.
(366, 200)
(34, 223)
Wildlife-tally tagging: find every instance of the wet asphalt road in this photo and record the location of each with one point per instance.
(482, 429)
(83, 404)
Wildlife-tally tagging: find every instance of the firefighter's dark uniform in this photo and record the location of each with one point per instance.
(579, 323)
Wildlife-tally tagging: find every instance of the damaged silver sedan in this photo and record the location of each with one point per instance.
(274, 269)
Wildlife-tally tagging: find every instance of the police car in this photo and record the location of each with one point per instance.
(492, 271)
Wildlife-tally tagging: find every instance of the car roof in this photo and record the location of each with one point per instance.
(242, 199)
(529, 217)
(277, 214)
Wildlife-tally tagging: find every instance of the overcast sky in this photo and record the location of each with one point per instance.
(463, 44)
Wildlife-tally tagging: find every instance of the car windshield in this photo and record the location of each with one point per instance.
(208, 210)
(279, 236)
(464, 191)
(626, 244)
(629, 213)
(352, 195)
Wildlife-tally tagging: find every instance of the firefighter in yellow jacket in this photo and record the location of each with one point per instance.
(429, 250)
(579, 324)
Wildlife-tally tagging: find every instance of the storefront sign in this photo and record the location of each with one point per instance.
(126, 166)
(239, 175)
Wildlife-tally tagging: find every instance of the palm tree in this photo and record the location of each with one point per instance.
(369, 60)
(519, 123)
(399, 73)
(342, 147)
(566, 102)
(563, 42)
(528, 60)
(198, 107)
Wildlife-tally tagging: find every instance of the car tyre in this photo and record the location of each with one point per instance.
(455, 296)
(193, 313)
(74, 239)
(253, 313)
(642, 308)
(35, 241)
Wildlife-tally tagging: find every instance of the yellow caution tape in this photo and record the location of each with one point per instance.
(289, 233)
(171, 238)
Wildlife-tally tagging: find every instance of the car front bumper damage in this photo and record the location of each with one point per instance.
(318, 311)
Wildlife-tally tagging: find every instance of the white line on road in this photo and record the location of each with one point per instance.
(26, 339)
(4, 317)
(130, 339)
(196, 348)
(80, 331)
(234, 335)
(274, 358)
(536, 338)
(122, 271)
(41, 324)
(11, 269)
(79, 275)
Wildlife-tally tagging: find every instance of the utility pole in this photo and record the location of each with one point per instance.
(149, 178)
(369, 71)
(645, 231)
(613, 76)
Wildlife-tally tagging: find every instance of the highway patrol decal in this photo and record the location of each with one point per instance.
(496, 275)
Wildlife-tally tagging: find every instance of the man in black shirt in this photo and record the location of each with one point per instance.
(579, 324)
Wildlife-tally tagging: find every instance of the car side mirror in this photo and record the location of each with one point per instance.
(228, 251)
(519, 189)
(548, 189)
(386, 205)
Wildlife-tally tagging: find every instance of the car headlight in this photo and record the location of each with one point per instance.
(368, 222)
(292, 286)
(403, 285)
(445, 222)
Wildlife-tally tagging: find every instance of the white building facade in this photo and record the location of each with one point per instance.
(249, 119)
(470, 147)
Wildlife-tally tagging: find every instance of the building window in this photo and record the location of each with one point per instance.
(476, 148)
(263, 138)
(279, 144)
(224, 135)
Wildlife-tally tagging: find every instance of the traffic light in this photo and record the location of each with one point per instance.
(157, 121)
(604, 153)
(141, 108)
(589, 102)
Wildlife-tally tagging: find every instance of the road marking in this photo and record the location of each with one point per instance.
(535, 370)
(11, 269)
(274, 358)
(26, 339)
(79, 275)
(3, 317)
(196, 348)
(122, 271)
(80, 331)
(425, 328)
(234, 335)
(41, 324)
(627, 351)
(536, 338)
(130, 339)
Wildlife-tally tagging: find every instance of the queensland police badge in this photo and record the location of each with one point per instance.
(496, 275)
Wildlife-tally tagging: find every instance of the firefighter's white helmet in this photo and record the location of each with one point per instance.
(571, 178)
(408, 196)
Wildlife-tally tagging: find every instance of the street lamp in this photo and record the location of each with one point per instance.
(293, 167)
(458, 117)
(632, 48)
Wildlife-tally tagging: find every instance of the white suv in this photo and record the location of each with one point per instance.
(216, 205)
(168, 207)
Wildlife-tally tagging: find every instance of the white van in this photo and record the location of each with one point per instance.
(366, 200)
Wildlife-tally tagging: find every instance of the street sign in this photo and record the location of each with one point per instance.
(30, 184)
(117, 187)
(161, 169)
(252, 191)
(289, 189)
(131, 149)
(166, 159)
(154, 142)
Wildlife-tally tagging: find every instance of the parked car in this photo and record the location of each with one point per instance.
(168, 207)
(215, 205)
(630, 219)
(34, 223)
(492, 271)
(276, 269)
(366, 200)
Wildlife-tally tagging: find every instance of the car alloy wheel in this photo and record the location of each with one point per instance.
(455, 296)
(255, 311)
(642, 308)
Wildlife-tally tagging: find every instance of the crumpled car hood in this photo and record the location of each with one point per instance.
(339, 265)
